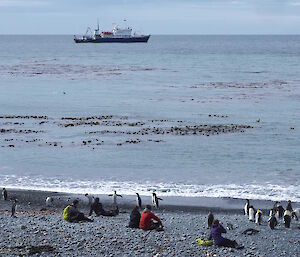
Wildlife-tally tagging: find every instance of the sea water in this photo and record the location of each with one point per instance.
(170, 81)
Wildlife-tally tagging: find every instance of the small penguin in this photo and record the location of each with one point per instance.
(210, 219)
(246, 208)
(138, 200)
(115, 195)
(90, 199)
(155, 200)
(49, 201)
(287, 217)
(272, 220)
(251, 213)
(258, 217)
(296, 213)
(229, 226)
(13, 208)
(4, 194)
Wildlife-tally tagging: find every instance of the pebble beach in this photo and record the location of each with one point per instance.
(40, 231)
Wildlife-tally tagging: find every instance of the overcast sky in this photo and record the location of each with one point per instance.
(151, 16)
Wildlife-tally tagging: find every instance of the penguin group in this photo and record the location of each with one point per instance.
(277, 212)
(252, 214)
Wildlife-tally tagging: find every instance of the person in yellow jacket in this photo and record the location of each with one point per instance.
(72, 214)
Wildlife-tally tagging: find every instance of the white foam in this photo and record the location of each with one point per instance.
(265, 191)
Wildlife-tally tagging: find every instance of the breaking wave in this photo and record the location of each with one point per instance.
(266, 191)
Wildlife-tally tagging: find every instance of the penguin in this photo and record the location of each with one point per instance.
(258, 217)
(210, 219)
(155, 200)
(246, 208)
(251, 213)
(138, 200)
(272, 220)
(287, 217)
(49, 201)
(296, 213)
(280, 211)
(4, 194)
(90, 199)
(115, 195)
(229, 226)
(13, 208)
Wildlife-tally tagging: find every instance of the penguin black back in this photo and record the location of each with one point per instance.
(210, 219)
(139, 200)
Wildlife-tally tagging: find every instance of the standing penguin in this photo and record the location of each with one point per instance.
(210, 219)
(280, 211)
(155, 200)
(287, 217)
(49, 201)
(13, 208)
(251, 213)
(246, 208)
(258, 217)
(272, 220)
(4, 194)
(115, 195)
(138, 200)
(90, 199)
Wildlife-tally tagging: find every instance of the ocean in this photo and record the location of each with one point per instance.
(192, 116)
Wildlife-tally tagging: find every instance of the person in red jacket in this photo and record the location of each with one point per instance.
(147, 217)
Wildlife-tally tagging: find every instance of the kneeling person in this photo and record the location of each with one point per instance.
(216, 234)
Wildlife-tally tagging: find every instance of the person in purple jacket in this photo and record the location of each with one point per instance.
(216, 234)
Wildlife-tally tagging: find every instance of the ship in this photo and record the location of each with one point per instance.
(117, 35)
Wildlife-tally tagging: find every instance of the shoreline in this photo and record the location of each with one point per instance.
(36, 199)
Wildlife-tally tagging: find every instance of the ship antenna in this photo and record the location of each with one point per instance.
(98, 23)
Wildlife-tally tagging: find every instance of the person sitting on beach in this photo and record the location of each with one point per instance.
(147, 217)
(72, 214)
(135, 218)
(216, 234)
(98, 209)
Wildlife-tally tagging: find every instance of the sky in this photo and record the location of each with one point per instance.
(151, 16)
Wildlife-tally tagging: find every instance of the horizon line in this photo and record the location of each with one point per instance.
(215, 34)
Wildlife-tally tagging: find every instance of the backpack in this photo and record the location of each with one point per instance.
(204, 242)
(66, 213)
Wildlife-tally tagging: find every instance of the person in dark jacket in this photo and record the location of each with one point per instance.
(98, 209)
(135, 218)
(216, 234)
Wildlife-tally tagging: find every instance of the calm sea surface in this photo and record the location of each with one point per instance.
(173, 81)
